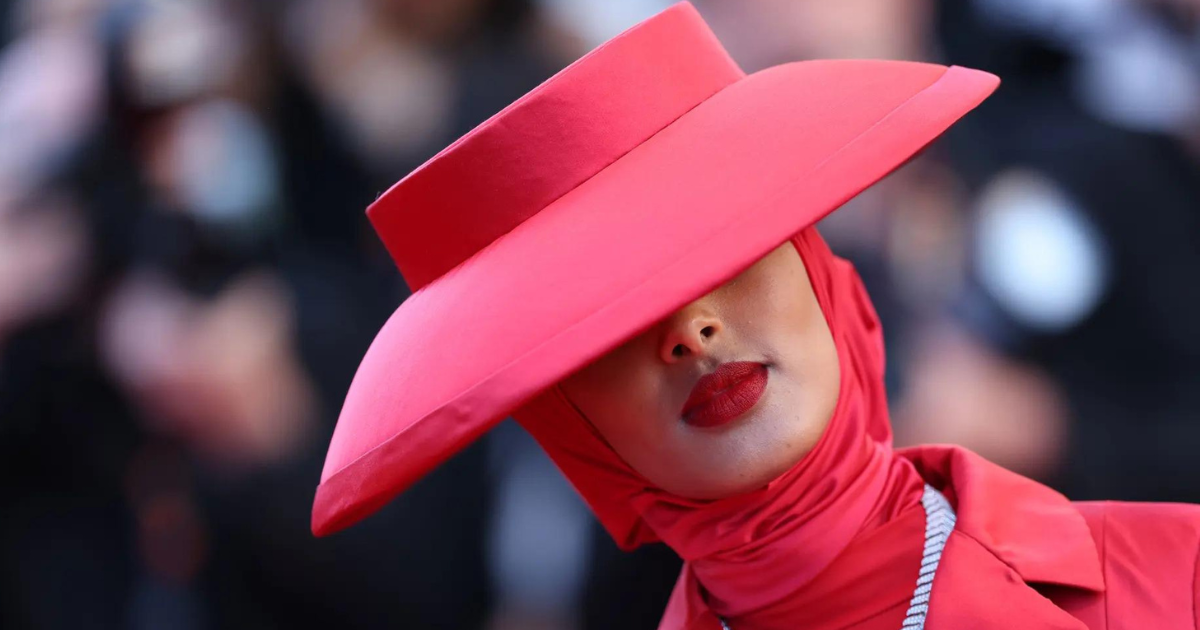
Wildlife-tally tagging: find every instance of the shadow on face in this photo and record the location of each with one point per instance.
(767, 316)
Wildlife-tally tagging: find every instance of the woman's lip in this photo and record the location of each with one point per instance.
(731, 390)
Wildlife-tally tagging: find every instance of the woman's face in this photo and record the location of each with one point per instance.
(748, 423)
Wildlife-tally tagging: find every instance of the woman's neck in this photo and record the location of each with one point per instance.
(796, 532)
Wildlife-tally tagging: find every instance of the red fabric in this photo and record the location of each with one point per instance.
(1021, 556)
(535, 240)
(868, 587)
(1013, 536)
(754, 553)
(1150, 557)
(836, 541)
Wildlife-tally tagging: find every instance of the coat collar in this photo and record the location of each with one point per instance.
(1028, 526)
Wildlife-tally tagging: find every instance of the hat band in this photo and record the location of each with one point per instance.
(550, 141)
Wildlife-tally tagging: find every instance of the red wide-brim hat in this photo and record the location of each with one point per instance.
(635, 180)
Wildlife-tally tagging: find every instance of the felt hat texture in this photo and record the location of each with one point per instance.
(635, 180)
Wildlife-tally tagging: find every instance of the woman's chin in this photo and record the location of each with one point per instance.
(741, 476)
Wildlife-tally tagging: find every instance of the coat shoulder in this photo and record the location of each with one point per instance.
(1150, 557)
(1148, 526)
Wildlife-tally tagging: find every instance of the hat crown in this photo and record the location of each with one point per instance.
(549, 141)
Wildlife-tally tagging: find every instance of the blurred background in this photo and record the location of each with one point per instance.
(187, 284)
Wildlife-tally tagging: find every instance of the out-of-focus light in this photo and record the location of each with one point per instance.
(227, 172)
(180, 50)
(1037, 253)
(50, 92)
(598, 20)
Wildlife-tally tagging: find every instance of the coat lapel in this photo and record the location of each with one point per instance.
(1030, 527)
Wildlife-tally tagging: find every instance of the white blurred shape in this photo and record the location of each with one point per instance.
(227, 171)
(143, 327)
(43, 260)
(50, 92)
(1037, 253)
(1133, 71)
(597, 21)
(178, 50)
(1067, 20)
(1142, 79)
(392, 95)
(30, 15)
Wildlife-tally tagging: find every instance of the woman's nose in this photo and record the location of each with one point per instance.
(690, 332)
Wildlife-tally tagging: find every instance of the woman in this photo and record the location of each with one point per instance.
(624, 260)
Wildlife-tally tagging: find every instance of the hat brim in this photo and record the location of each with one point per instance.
(675, 217)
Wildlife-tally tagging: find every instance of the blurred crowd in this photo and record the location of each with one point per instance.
(187, 284)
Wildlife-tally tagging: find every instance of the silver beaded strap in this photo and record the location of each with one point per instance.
(939, 522)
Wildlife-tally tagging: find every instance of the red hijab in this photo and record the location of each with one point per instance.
(755, 555)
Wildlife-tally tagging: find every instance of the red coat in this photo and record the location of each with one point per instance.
(1022, 556)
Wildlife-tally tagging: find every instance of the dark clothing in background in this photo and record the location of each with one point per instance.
(66, 548)
(1130, 368)
(72, 548)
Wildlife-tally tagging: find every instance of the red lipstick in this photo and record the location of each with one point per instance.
(731, 390)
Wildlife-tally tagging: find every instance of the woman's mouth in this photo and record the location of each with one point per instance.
(726, 393)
